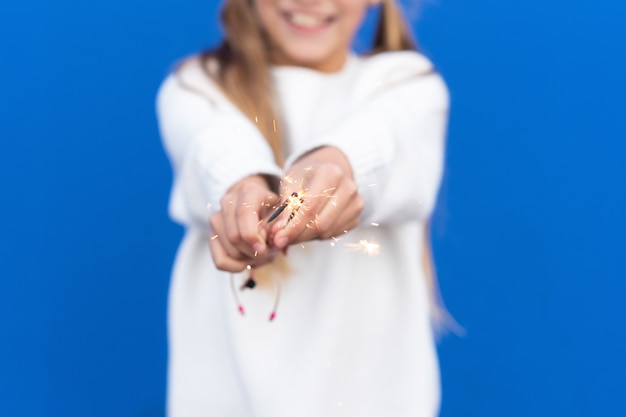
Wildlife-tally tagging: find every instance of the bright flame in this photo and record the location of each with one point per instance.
(295, 201)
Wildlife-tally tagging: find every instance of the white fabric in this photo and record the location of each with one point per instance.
(352, 334)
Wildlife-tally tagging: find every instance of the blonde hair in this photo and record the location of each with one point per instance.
(243, 70)
(243, 75)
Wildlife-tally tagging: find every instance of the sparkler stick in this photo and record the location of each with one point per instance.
(278, 211)
(293, 203)
(290, 201)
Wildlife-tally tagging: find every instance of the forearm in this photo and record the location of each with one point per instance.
(394, 145)
(211, 148)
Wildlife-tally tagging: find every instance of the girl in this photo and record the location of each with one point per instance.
(296, 143)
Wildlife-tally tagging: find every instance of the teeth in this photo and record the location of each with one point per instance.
(306, 20)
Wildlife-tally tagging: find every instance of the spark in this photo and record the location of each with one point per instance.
(295, 203)
(214, 237)
(365, 246)
(292, 204)
(375, 224)
(289, 179)
(314, 223)
(208, 206)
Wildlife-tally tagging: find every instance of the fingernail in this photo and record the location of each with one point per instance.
(258, 247)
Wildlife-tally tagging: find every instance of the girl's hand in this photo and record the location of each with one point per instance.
(331, 202)
(239, 235)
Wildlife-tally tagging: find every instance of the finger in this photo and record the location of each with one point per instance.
(227, 227)
(269, 204)
(252, 230)
(267, 201)
(326, 184)
(217, 223)
(251, 240)
(240, 224)
(310, 232)
(222, 260)
(332, 222)
(293, 221)
(223, 248)
(338, 214)
(298, 224)
(335, 220)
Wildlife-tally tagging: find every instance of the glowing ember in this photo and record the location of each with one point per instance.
(292, 204)
(295, 201)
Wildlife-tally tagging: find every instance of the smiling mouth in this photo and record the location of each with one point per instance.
(307, 21)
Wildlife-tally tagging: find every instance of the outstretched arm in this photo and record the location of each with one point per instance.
(210, 143)
(394, 143)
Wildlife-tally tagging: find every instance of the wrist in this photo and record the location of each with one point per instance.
(327, 154)
(268, 182)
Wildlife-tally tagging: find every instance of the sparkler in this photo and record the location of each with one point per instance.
(294, 202)
(293, 205)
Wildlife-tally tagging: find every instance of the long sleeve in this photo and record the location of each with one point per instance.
(210, 144)
(394, 138)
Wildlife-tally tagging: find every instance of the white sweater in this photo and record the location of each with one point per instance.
(352, 335)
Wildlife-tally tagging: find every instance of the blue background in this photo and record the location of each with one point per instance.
(529, 232)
